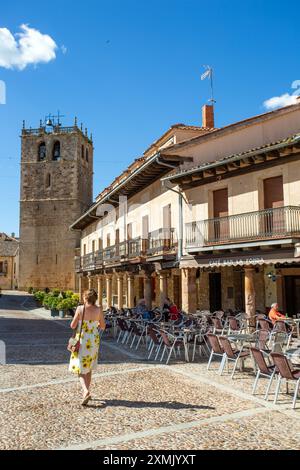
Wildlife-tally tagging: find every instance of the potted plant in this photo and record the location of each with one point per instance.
(39, 297)
(63, 307)
(54, 306)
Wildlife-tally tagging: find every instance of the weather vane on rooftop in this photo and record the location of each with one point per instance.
(209, 73)
(52, 120)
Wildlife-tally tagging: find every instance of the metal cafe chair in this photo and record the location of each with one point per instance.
(231, 355)
(263, 369)
(285, 372)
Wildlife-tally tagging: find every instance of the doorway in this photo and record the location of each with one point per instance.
(292, 294)
(221, 225)
(215, 294)
(273, 199)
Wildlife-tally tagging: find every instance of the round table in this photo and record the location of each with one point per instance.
(293, 355)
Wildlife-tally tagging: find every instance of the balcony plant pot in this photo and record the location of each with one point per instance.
(54, 312)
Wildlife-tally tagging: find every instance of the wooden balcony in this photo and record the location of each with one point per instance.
(267, 224)
(162, 241)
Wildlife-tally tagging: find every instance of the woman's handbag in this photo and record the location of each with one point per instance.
(73, 344)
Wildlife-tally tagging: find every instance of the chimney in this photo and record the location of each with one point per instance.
(208, 119)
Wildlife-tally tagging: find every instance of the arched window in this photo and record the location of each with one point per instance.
(56, 151)
(48, 181)
(42, 152)
(82, 151)
(87, 155)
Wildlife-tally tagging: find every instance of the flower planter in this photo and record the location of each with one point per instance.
(54, 312)
(62, 314)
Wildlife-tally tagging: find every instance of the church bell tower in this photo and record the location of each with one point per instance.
(56, 188)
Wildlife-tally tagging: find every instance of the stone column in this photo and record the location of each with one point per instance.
(189, 292)
(163, 286)
(250, 304)
(120, 290)
(109, 290)
(130, 290)
(148, 290)
(100, 290)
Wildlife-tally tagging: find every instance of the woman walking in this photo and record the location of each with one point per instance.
(88, 319)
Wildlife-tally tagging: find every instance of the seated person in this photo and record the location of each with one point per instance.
(142, 310)
(174, 312)
(274, 314)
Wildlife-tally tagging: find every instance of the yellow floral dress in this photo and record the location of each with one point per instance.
(86, 359)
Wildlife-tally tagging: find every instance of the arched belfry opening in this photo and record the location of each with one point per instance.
(56, 150)
(42, 153)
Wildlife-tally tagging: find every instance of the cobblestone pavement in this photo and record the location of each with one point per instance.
(136, 404)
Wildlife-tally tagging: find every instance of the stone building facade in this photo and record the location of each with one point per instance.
(56, 187)
(9, 261)
(212, 220)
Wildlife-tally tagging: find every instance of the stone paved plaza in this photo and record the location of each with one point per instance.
(136, 404)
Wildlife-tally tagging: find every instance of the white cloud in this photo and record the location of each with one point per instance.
(280, 101)
(25, 48)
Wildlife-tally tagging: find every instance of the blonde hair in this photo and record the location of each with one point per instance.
(90, 296)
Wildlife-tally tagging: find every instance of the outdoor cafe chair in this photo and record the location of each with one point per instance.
(123, 329)
(285, 372)
(156, 341)
(231, 355)
(139, 333)
(265, 324)
(234, 325)
(176, 342)
(218, 327)
(219, 314)
(200, 341)
(216, 348)
(263, 369)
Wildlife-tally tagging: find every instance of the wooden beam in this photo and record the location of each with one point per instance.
(221, 169)
(197, 177)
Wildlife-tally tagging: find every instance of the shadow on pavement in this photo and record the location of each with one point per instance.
(172, 405)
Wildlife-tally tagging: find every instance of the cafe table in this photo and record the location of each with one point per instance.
(294, 356)
(294, 322)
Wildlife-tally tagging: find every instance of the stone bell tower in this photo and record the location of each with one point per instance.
(56, 188)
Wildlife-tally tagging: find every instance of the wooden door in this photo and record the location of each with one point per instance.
(167, 224)
(221, 223)
(274, 220)
(215, 294)
(145, 233)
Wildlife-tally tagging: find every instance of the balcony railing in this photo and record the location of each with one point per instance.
(134, 248)
(77, 264)
(88, 262)
(267, 224)
(162, 241)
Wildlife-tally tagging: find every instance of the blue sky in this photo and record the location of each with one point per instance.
(132, 68)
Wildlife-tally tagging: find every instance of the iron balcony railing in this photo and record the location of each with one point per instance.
(88, 262)
(99, 258)
(261, 225)
(135, 248)
(162, 241)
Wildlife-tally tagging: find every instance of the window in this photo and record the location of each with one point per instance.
(48, 181)
(42, 152)
(56, 151)
(1, 267)
(82, 151)
(93, 246)
(108, 240)
(87, 155)
(84, 249)
(100, 244)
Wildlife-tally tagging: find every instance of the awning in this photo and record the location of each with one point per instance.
(240, 260)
